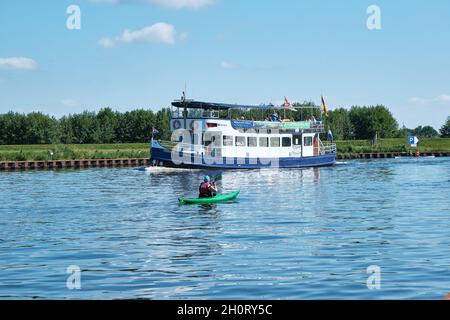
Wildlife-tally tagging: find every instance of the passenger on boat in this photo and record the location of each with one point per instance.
(274, 117)
(330, 135)
(207, 189)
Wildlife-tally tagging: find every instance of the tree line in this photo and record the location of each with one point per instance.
(105, 126)
(108, 126)
(363, 123)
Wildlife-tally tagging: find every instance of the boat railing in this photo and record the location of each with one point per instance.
(180, 146)
(327, 148)
(168, 144)
(197, 114)
(318, 126)
(305, 126)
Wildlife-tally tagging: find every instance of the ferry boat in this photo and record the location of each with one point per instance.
(204, 135)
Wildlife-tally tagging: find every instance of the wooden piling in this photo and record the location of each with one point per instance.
(71, 164)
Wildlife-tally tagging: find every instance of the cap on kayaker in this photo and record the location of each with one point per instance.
(206, 179)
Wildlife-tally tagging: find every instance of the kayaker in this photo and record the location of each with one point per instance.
(207, 189)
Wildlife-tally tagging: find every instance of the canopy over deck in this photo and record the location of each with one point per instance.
(192, 104)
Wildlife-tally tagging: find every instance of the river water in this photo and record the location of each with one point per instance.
(292, 234)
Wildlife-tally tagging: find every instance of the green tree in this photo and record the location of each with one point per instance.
(83, 128)
(40, 129)
(162, 123)
(65, 129)
(367, 121)
(339, 122)
(404, 132)
(135, 126)
(13, 128)
(107, 125)
(445, 130)
(425, 132)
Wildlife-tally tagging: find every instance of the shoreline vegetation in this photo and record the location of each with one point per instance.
(346, 149)
(109, 134)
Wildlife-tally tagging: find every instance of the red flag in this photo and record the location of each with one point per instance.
(287, 104)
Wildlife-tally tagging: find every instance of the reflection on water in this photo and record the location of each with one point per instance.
(300, 234)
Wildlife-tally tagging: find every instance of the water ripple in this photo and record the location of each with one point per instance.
(298, 234)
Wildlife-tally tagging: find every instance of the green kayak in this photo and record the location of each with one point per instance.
(218, 198)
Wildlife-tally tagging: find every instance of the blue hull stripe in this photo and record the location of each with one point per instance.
(164, 155)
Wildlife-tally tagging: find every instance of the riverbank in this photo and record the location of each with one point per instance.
(49, 152)
(390, 148)
(355, 149)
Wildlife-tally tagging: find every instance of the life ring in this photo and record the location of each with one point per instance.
(194, 125)
(176, 124)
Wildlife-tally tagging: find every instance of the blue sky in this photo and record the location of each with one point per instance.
(227, 51)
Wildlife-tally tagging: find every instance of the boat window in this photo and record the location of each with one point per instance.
(240, 141)
(252, 141)
(210, 114)
(227, 141)
(275, 142)
(297, 140)
(263, 142)
(194, 113)
(286, 142)
(307, 141)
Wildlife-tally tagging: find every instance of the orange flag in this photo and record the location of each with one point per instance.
(324, 106)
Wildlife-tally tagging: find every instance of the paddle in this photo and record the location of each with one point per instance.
(215, 179)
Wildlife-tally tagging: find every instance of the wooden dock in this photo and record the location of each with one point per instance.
(139, 162)
(389, 155)
(72, 164)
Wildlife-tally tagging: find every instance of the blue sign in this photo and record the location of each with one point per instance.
(413, 141)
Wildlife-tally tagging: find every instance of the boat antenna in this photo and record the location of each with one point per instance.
(183, 98)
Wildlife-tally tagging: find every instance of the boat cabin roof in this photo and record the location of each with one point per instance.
(192, 104)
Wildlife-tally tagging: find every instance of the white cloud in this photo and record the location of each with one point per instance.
(252, 68)
(70, 103)
(107, 42)
(228, 65)
(105, 1)
(158, 33)
(18, 63)
(171, 4)
(180, 4)
(442, 99)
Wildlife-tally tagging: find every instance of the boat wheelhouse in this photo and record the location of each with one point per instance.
(205, 135)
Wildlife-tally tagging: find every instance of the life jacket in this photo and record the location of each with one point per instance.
(204, 189)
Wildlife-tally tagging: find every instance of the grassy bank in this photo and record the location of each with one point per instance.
(73, 151)
(141, 150)
(393, 145)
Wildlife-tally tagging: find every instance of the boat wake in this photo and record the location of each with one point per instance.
(421, 157)
(157, 170)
